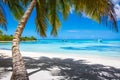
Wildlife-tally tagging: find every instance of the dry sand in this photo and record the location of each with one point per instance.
(46, 75)
(108, 61)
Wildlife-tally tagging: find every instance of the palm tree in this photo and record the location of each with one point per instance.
(15, 8)
(47, 12)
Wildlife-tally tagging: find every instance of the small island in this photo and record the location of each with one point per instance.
(4, 37)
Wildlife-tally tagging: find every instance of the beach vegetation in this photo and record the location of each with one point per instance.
(1, 33)
(10, 38)
(4, 37)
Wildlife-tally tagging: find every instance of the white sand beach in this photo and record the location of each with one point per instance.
(46, 75)
(90, 59)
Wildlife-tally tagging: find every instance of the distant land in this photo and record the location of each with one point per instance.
(4, 37)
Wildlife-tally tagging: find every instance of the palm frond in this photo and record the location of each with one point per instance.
(97, 10)
(53, 17)
(16, 8)
(25, 2)
(65, 7)
(3, 20)
(40, 20)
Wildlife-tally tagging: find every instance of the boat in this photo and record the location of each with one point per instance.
(99, 40)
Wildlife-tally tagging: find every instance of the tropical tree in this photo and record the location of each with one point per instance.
(47, 12)
(15, 8)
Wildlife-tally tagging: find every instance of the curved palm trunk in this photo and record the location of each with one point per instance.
(19, 70)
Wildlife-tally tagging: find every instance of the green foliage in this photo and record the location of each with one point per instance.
(10, 38)
(15, 7)
(3, 21)
(47, 12)
(1, 33)
(98, 10)
(6, 38)
(25, 2)
(27, 38)
(40, 20)
(53, 17)
(65, 8)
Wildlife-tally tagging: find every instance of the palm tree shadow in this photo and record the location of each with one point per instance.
(68, 68)
(33, 72)
(75, 70)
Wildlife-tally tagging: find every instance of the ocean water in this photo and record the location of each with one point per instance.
(110, 48)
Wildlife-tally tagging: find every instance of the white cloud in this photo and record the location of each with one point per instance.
(71, 10)
(117, 10)
(85, 16)
(115, 1)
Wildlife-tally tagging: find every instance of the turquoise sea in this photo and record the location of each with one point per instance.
(110, 48)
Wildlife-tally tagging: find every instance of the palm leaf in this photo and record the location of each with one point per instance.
(40, 20)
(25, 2)
(16, 8)
(53, 17)
(64, 7)
(97, 10)
(3, 21)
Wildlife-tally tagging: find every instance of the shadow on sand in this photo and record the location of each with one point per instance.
(69, 69)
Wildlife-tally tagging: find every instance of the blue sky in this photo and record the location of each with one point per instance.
(75, 27)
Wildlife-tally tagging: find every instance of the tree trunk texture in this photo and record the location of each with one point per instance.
(19, 70)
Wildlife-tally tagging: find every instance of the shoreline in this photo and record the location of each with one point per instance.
(90, 59)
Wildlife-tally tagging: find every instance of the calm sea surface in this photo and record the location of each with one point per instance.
(110, 48)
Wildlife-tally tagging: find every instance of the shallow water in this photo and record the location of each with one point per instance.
(110, 48)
